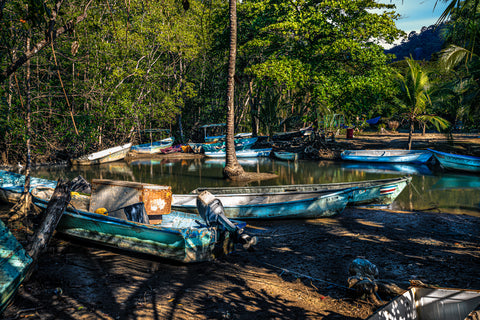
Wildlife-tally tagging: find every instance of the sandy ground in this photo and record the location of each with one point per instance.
(299, 270)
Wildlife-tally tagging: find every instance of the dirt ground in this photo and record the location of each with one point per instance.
(299, 268)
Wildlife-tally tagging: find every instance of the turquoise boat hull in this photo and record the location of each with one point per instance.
(12, 184)
(271, 206)
(240, 144)
(291, 156)
(14, 265)
(392, 156)
(457, 162)
(369, 192)
(179, 237)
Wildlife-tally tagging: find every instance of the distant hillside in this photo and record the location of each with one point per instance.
(421, 45)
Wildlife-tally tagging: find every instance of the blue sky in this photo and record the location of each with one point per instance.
(416, 14)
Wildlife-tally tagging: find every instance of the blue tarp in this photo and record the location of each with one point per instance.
(373, 121)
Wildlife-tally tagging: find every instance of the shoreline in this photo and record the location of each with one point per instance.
(299, 269)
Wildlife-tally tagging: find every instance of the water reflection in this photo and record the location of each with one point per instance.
(429, 189)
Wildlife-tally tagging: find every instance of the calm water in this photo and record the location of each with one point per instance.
(430, 189)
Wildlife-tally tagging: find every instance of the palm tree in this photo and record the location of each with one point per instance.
(415, 99)
(233, 169)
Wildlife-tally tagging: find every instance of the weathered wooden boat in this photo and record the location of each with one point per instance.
(14, 265)
(178, 236)
(404, 156)
(240, 144)
(432, 304)
(368, 192)
(153, 147)
(272, 205)
(12, 185)
(104, 156)
(249, 153)
(451, 161)
(284, 155)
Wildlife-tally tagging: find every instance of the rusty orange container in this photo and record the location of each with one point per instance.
(112, 195)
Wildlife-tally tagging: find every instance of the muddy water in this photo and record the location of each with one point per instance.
(431, 189)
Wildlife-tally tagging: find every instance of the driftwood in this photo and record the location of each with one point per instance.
(57, 204)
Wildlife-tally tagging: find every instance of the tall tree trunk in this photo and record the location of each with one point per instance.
(232, 168)
(253, 110)
(410, 135)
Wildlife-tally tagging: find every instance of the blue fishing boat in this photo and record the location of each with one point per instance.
(12, 185)
(393, 156)
(284, 155)
(369, 192)
(451, 161)
(14, 265)
(153, 147)
(249, 153)
(240, 144)
(179, 236)
(279, 205)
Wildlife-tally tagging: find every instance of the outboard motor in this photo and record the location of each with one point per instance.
(211, 210)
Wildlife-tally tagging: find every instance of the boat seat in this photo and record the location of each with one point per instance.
(134, 212)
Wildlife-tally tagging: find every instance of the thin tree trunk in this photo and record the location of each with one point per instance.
(28, 127)
(410, 135)
(232, 168)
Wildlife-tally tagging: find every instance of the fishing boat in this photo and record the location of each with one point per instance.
(153, 147)
(240, 144)
(404, 156)
(431, 303)
(368, 192)
(177, 236)
(249, 153)
(451, 161)
(14, 265)
(12, 185)
(271, 205)
(104, 156)
(284, 155)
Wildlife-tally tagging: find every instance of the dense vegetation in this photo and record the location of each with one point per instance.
(94, 73)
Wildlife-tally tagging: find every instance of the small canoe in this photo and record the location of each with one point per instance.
(249, 153)
(431, 303)
(14, 265)
(180, 236)
(451, 161)
(271, 205)
(104, 156)
(12, 185)
(284, 155)
(240, 144)
(368, 192)
(404, 156)
(154, 147)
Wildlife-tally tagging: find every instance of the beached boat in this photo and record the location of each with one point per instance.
(284, 155)
(179, 236)
(431, 304)
(153, 147)
(240, 144)
(104, 156)
(14, 265)
(272, 205)
(369, 192)
(459, 162)
(249, 153)
(12, 185)
(404, 156)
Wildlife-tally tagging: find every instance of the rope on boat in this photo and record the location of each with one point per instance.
(305, 276)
